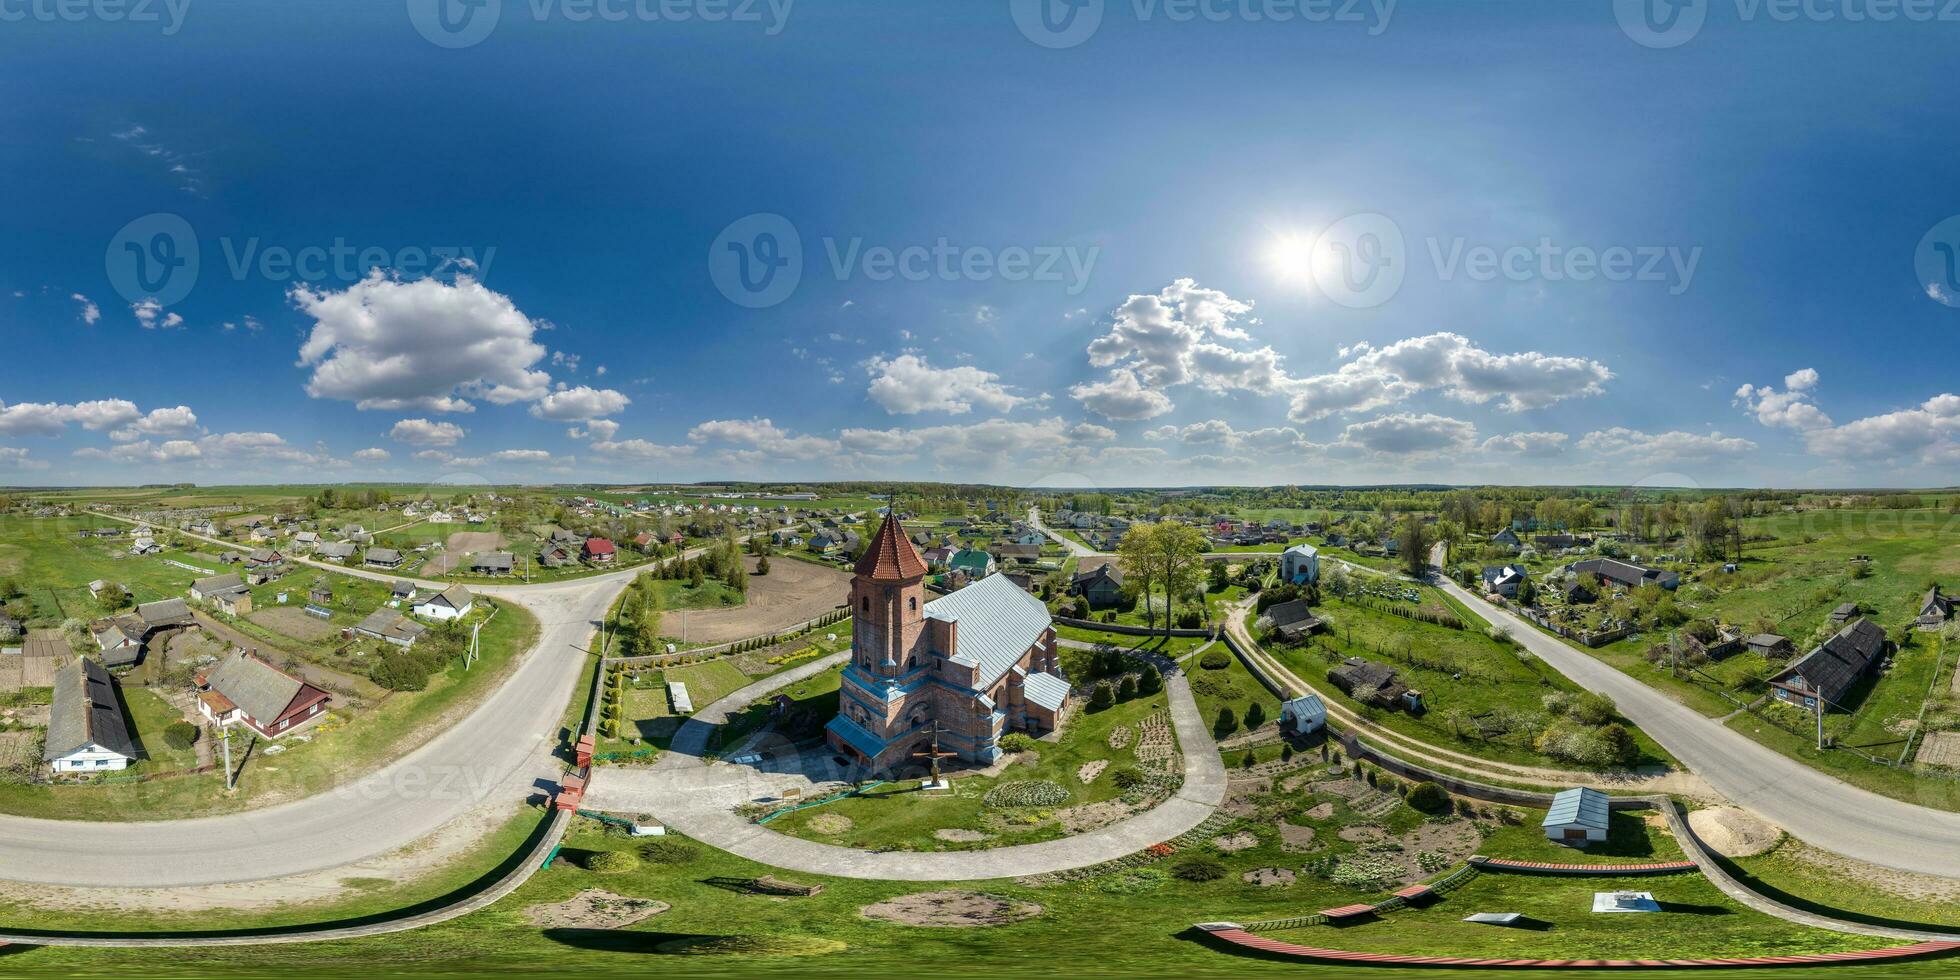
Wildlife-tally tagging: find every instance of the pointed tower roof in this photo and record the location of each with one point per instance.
(891, 556)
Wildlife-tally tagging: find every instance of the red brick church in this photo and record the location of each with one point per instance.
(981, 662)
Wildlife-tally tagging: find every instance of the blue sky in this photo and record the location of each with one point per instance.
(1140, 259)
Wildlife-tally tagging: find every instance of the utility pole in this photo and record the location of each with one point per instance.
(226, 732)
(1819, 698)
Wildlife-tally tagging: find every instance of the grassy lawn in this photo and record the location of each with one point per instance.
(1128, 923)
(1231, 686)
(350, 743)
(813, 702)
(148, 715)
(649, 718)
(1809, 879)
(1695, 920)
(1483, 696)
(897, 816)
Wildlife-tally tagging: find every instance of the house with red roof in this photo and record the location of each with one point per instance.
(600, 551)
(246, 690)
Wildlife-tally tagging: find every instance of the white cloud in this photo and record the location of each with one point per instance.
(91, 313)
(1665, 447)
(1527, 443)
(761, 436)
(993, 445)
(423, 432)
(1219, 434)
(908, 385)
(247, 323)
(580, 404)
(598, 430)
(1927, 435)
(18, 459)
(149, 313)
(1173, 338)
(1409, 435)
(1122, 398)
(376, 455)
(1380, 376)
(220, 450)
(1790, 408)
(50, 419)
(642, 450)
(385, 343)
(160, 423)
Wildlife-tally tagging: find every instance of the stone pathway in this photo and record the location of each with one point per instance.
(698, 798)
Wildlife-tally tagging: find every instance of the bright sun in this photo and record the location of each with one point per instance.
(1292, 258)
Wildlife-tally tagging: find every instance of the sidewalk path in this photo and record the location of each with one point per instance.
(698, 799)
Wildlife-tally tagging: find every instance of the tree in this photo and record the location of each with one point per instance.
(1101, 698)
(1255, 715)
(1619, 744)
(1217, 581)
(1179, 550)
(1151, 682)
(180, 735)
(1135, 555)
(1126, 690)
(1414, 542)
(113, 596)
(1227, 723)
(762, 565)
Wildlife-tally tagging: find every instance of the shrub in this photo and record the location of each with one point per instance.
(1128, 778)
(668, 851)
(1429, 798)
(1151, 682)
(1227, 722)
(1255, 715)
(1215, 660)
(1248, 760)
(399, 672)
(1199, 867)
(1017, 742)
(180, 735)
(1286, 752)
(1100, 698)
(1189, 619)
(612, 862)
(1127, 689)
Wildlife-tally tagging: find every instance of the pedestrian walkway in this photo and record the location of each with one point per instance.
(698, 798)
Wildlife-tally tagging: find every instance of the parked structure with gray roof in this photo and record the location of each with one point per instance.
(1833, 667)
(85, 724)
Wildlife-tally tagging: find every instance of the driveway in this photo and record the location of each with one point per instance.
(698, 799)
(1821, 810)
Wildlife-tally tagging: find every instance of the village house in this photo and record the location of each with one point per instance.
(144, 546)
(1624, 574)
(1504, 580)
(244, 689)
(1507, 539)
(1935, 609)
(402, 590)
(1102, 585)
(383, 558)
(335, 551)
(1833, 668)
(972, 561)
(1368, 682)
(1292, 620)
(306, 541)
(227, 593)
(493, 563)
(1770, 646)
(1017, 552)
(1845, 613)
(600, 551)
(454, 602)
(971, 666)
(85, 723)
(1300, 564)
(390, 626)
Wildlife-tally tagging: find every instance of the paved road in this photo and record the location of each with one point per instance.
(501, 751)
(1821, 810)
(697, 799)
